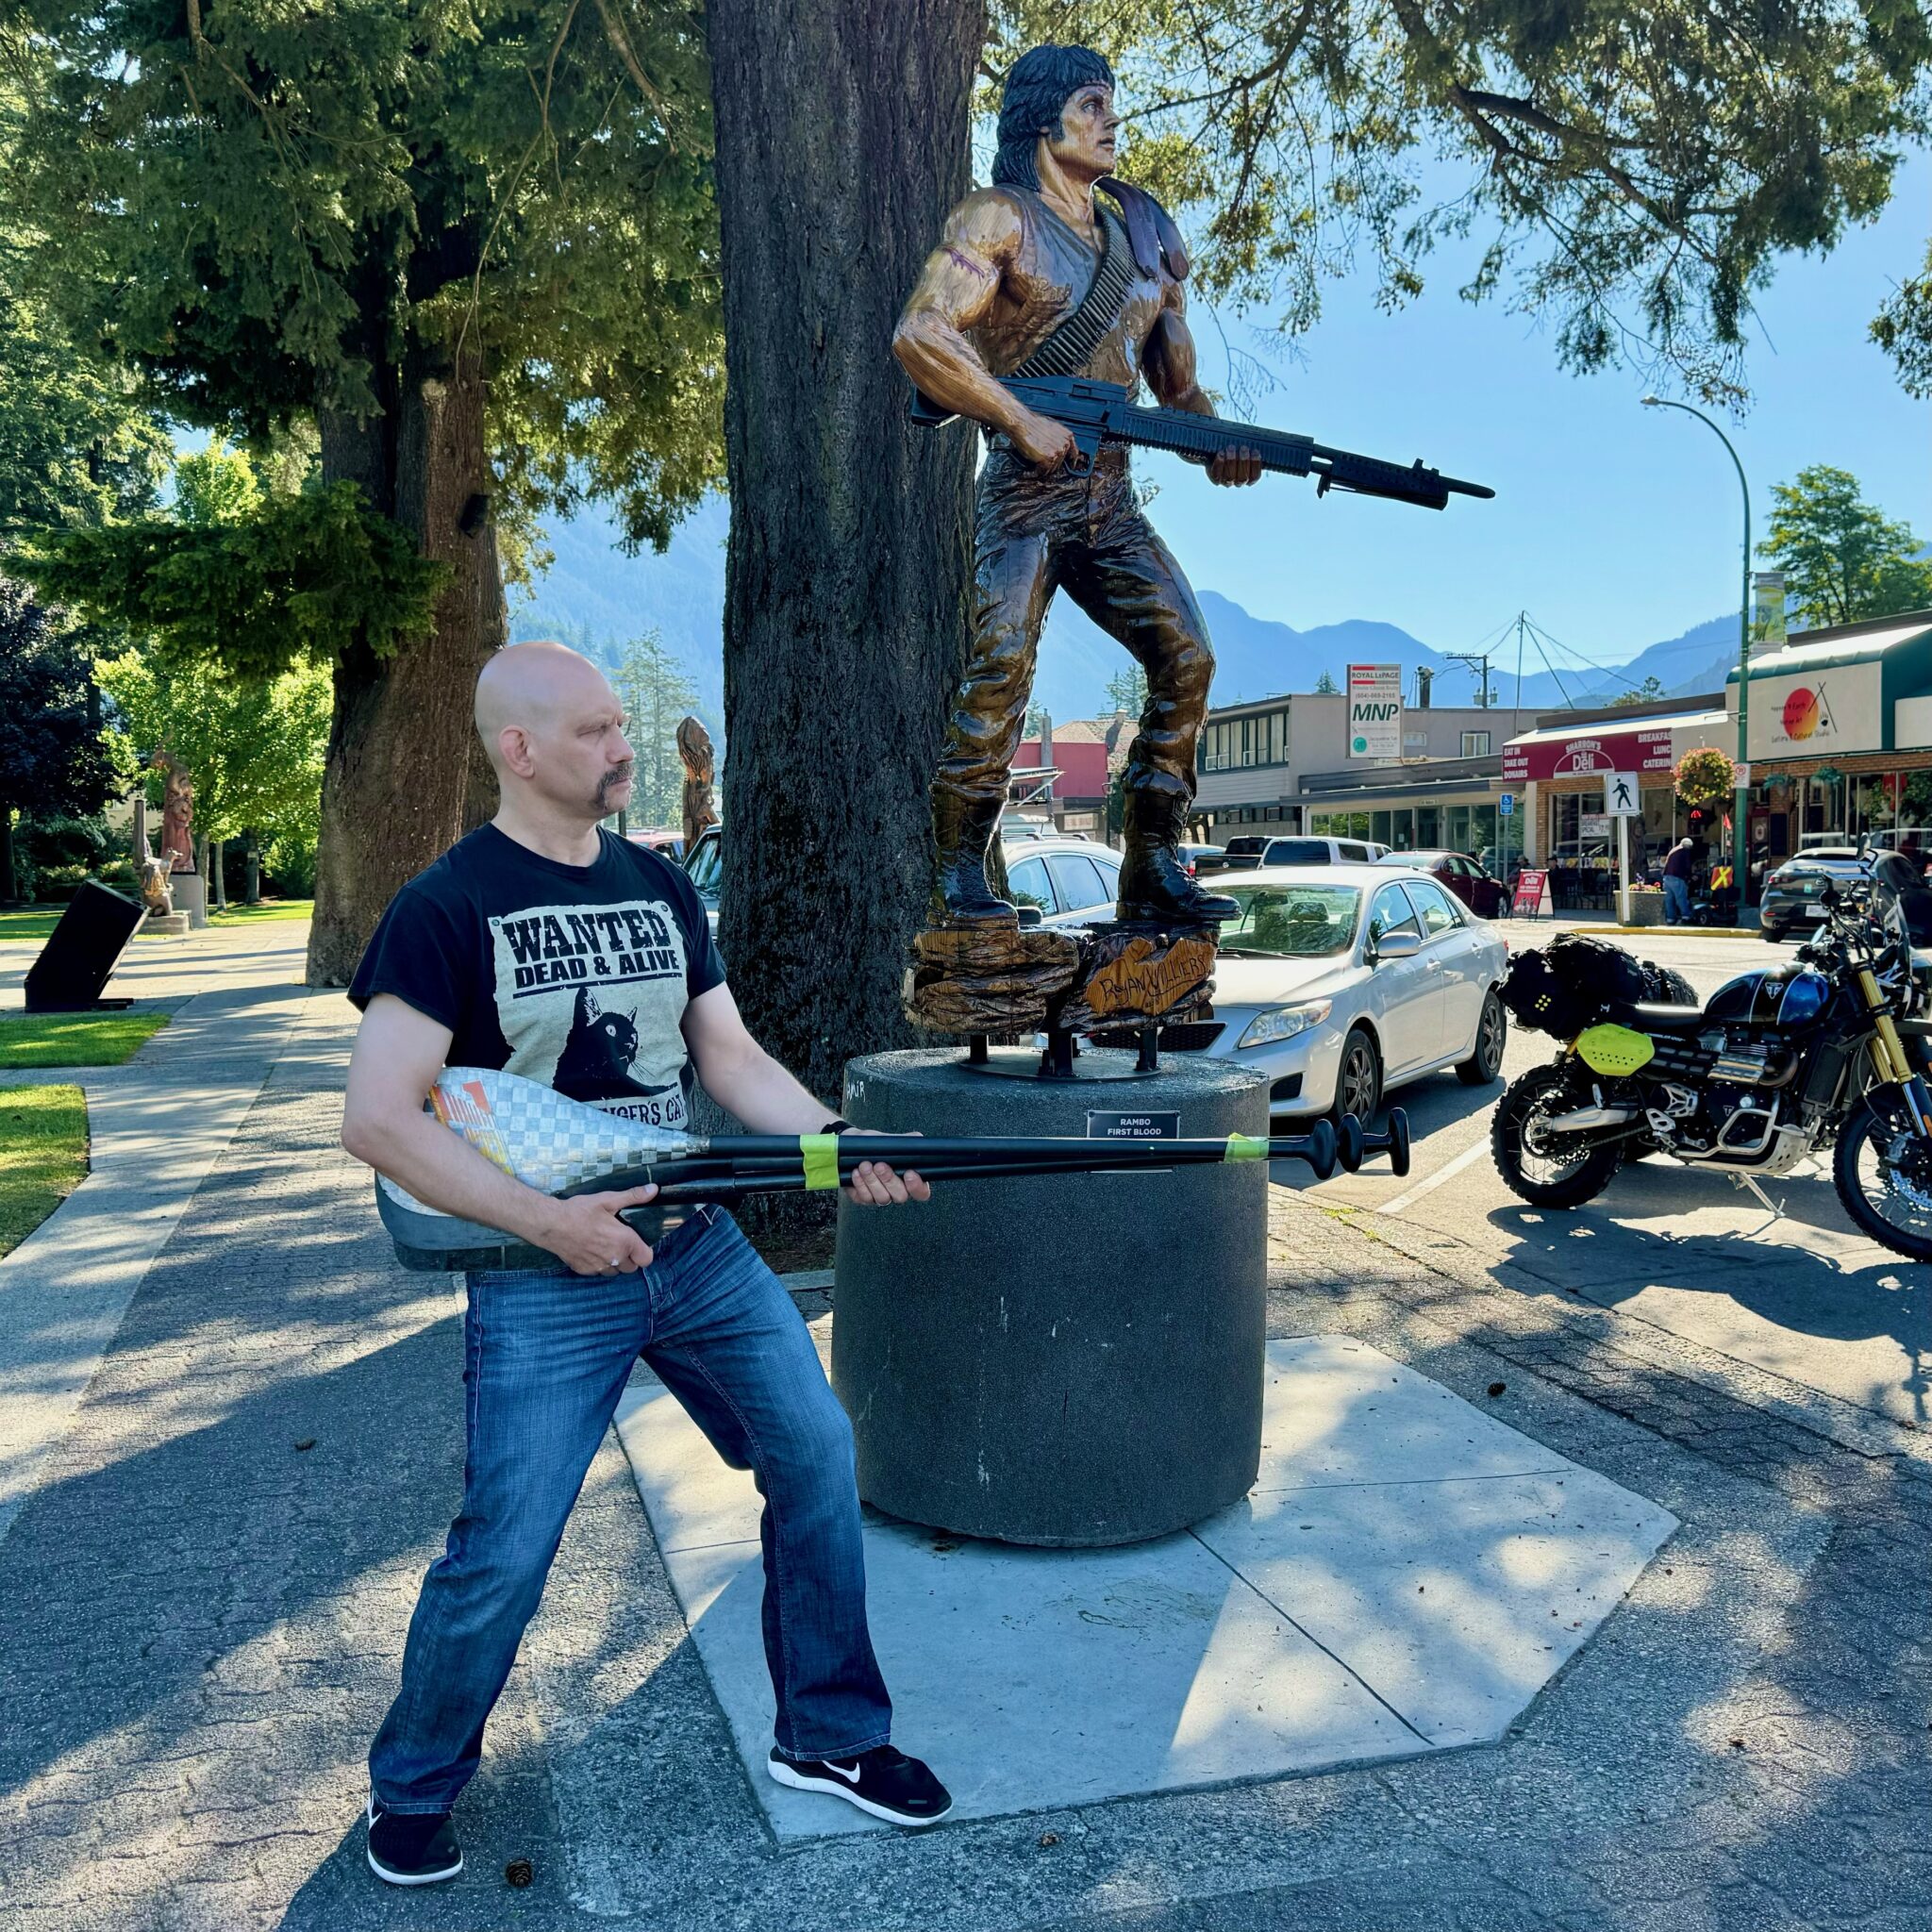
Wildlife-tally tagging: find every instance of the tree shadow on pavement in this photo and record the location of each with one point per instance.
(1806, 1273)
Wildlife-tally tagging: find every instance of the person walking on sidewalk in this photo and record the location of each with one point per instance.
(1680, 868)
(546, 945)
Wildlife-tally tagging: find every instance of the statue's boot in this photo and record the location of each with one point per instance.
(1155, 883)
(961, 829)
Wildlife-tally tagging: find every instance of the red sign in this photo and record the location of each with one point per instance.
(1639, 749)
(1532, 893)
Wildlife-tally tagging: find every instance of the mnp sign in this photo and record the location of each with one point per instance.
(1374, 710)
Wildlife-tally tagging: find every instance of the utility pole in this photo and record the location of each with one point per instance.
(1478, 665)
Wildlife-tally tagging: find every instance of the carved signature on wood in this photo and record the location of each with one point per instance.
(1145, 979)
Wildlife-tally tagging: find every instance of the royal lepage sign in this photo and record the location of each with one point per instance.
(1374, 710)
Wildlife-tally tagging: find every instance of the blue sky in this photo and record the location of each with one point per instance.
(1613, 525)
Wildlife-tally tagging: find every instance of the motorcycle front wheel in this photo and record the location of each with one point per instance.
(1884, 1175)
(1547, 1169)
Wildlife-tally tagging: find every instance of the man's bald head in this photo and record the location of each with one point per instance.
(531, 686)
(551, 722)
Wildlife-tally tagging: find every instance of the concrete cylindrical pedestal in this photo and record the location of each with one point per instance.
(1064, 1361)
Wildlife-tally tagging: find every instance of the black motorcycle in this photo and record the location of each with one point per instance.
(1829, 1051)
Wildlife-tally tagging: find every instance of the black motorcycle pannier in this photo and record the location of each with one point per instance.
(1574, 980)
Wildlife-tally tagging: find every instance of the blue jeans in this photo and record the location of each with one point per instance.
(547, 1356)
(1676, 900)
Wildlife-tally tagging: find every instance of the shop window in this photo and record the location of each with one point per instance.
(1476, 744)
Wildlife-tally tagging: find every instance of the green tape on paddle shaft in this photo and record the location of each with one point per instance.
(1246, 1147)
(821, 1152)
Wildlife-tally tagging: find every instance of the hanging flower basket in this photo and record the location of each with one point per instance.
(1705, 776)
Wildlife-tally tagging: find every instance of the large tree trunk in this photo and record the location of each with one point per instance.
(395, 788)
(842, 143)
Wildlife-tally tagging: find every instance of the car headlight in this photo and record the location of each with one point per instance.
(1284, 1022)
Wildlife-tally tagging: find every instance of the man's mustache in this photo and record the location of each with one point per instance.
(617, 775)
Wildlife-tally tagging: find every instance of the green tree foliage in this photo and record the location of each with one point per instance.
(1126, 691)
(1632, 167)
(655, 694)
(1902, 330)
(1843, 558)
(254, 584)
(254, 747)
(1645, 694)
(471, 242)
(52, 760)
(77, 446)
(1325, 686)
(257, 206)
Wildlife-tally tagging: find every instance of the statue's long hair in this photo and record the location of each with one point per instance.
(1038, 87)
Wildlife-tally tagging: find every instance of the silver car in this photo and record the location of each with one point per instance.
(1340, 982)
(1069, 881)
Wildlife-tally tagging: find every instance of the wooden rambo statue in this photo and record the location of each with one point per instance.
(1030, 272)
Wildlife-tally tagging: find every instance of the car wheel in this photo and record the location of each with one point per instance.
(1485, 1061)
(1358, 1077)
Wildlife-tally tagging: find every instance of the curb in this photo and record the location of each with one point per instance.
(1706, 932)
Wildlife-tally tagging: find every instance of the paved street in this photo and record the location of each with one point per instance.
(1806, 1298)
(203, 1591)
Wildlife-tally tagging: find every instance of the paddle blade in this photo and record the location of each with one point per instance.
(540, 1136)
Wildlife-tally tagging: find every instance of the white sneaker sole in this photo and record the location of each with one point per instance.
(786, 1775)
(389, 1877)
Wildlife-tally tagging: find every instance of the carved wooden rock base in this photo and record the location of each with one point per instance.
(1131, 976)
(1000, 980)
(988, 978)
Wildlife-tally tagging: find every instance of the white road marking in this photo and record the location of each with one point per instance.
(1468, 1158)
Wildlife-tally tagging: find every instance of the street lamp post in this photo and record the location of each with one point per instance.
(1741, 869)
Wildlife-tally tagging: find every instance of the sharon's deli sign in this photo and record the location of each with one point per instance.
(1640, 749)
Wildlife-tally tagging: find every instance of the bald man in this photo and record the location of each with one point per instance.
(542, 943)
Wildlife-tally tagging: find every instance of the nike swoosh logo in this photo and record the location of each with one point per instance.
(851, 1776)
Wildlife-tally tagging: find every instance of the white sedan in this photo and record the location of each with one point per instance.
(1340, 982)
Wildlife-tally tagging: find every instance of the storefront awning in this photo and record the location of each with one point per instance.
(1575, 751)
(1835, 650)
(1842, 693)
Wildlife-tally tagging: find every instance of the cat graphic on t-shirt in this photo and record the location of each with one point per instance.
(596, 1058)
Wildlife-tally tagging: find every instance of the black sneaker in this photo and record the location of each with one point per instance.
(883, 1781)
(411, 1847)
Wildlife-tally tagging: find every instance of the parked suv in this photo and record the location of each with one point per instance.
(1793, 901)
(1245, 853)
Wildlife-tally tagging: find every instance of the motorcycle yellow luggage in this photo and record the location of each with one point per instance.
(1614, 1051)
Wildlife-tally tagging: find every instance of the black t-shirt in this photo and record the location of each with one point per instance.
(577, 975)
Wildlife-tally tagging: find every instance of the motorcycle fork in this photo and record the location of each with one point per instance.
(1891, 1054)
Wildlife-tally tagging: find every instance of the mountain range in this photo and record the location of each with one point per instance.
(595, 598)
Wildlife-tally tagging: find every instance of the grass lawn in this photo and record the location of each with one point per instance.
(42, 1156)
(38, 922)
(270, 909)
(75, 1039)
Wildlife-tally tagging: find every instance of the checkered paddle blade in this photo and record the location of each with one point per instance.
(544, 1139)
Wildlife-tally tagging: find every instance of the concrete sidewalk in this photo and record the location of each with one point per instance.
(204, 1593)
